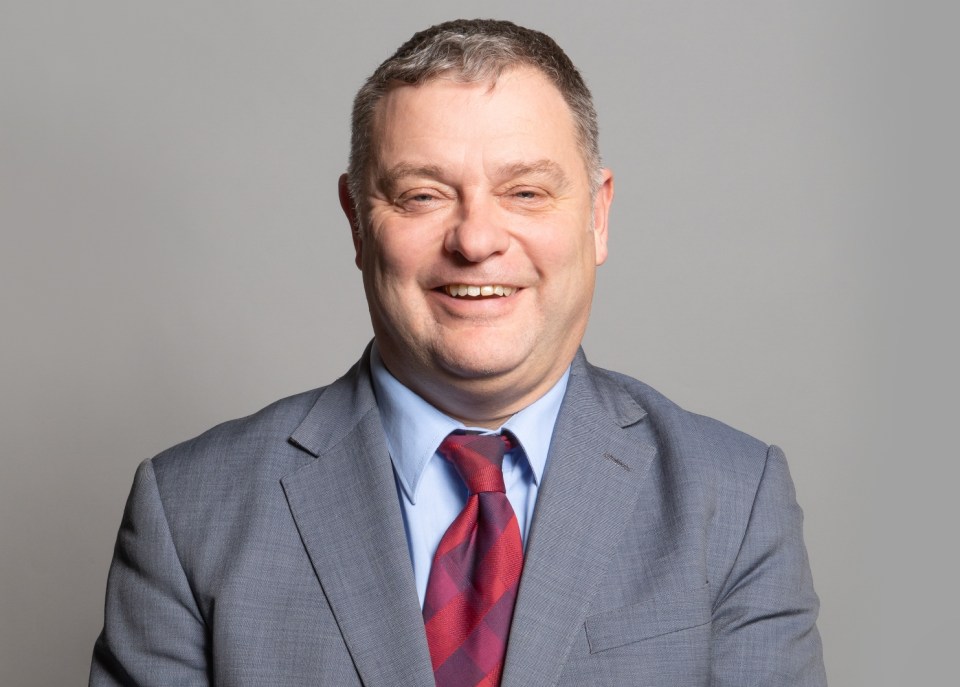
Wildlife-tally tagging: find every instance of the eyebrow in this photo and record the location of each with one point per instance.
(538, 168)
(387, 179)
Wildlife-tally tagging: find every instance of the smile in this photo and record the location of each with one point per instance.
(474, 291)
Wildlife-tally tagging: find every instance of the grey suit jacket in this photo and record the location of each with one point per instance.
(666, 549)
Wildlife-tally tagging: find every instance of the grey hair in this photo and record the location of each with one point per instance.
(471, 50)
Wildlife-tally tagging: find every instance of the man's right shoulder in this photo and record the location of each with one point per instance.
(263, 447)
(236, 443)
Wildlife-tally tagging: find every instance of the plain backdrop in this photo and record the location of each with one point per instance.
(173, 255)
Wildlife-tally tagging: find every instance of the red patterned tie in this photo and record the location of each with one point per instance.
(476, 570)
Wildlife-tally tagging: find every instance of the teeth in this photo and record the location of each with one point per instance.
(458, 290)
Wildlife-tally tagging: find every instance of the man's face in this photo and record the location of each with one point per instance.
(481, 240)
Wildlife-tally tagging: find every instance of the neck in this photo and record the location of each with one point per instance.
(479, 402)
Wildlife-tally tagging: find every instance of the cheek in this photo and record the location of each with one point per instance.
(400, 251)
(385, 258)
(390, 276)
(567, 259)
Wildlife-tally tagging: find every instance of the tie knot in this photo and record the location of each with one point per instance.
(478, 459)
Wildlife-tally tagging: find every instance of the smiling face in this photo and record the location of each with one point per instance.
(480, 241)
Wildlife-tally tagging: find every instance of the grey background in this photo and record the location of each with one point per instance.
(173, 255)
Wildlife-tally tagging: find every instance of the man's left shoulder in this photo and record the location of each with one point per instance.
(684, 437)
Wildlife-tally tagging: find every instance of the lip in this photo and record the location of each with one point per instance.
(493, 305)
(468, 290)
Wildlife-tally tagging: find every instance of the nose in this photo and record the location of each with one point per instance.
(478, 231)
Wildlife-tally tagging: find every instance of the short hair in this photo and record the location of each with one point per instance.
(471, 50)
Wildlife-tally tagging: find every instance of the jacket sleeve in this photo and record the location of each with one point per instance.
(153, 632)
(764, 620)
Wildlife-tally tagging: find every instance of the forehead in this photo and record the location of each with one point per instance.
(521, 103)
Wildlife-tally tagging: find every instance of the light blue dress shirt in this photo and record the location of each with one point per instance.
(430, 490)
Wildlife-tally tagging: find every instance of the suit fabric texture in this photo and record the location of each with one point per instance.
(665, 550)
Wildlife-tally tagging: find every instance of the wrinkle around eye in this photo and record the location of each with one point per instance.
(527, 198)
(420, 201)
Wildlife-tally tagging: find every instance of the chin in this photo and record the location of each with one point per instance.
(483, 352)
(477, 364)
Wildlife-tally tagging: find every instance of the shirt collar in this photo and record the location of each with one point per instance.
(414, 428)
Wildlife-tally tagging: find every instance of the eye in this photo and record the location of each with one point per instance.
(526, 197)
(418, 200)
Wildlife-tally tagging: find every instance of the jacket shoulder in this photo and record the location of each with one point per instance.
(268, 430)
(689, 437)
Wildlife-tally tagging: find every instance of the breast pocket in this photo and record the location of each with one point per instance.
(655, 617)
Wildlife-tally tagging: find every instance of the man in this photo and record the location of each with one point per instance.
(343, 536)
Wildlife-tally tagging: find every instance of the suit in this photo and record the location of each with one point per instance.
(666, 549)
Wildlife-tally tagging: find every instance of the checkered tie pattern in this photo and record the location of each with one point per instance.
(476, 570)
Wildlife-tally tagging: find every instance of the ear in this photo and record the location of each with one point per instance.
(350, 210)
(601, 215)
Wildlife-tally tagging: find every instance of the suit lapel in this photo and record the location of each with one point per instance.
(598, 459)
(346, 508)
